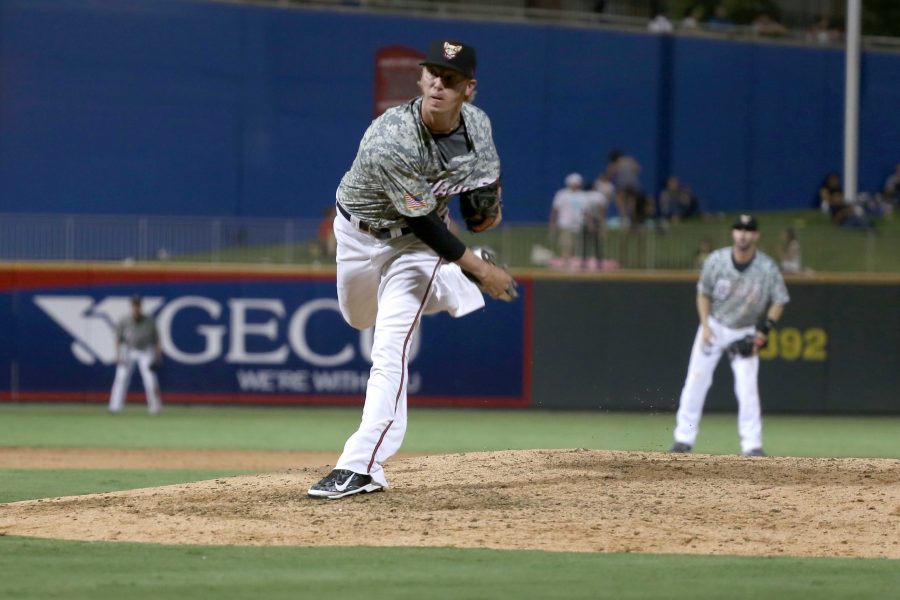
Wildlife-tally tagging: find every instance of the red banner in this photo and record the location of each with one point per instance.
(396, 76)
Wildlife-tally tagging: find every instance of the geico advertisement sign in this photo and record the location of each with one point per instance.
(216, 330)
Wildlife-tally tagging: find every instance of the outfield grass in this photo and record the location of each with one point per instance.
(825, 247)
(431, 430)
(34, 568)
(40, 569)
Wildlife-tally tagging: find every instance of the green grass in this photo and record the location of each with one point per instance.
(29, 484)
(825, 247)
(82, 426)
(430, 430)
(40, 569)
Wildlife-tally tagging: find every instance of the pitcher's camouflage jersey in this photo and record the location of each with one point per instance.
(740, 298)
(385, 184)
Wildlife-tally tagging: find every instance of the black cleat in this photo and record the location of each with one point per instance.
(343, 482)
(755, 452)
(681, 448)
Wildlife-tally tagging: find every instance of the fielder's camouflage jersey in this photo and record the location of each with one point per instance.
(398, 171)
(139, 335)
(739, 298)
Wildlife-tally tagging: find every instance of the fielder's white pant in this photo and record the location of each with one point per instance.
(699, 377)
(390, 284)
(143, 359)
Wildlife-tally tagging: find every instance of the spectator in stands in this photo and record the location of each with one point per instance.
(694, 18)
(872, 205)
(624, 173)
(567, 218)
(660, 24)
(669, 198)
(597, 200)
(678, 202)
(789, 251)
(831, 192)
(689, 205)
(765, 25)
(832, 202)
(721, 21)
(635, 207)
(605, 186)
(822, 32)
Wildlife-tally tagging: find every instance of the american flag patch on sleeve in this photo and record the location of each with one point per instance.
(413, 201)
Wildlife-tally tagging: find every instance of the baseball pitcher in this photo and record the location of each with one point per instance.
(397, 260)
(740, 297)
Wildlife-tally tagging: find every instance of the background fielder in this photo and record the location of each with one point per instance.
(738, 285)
(137, 343)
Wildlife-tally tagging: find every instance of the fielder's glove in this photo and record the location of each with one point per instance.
(157, 364)
(745, 346)
(488, 256)
(480, 208)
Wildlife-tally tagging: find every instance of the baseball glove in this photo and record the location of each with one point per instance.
(745, 346)
(157, 364)
(487, 255)
(481, 207)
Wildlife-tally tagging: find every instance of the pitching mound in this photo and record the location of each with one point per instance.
(578, 500)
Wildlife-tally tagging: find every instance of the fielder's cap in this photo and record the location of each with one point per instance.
(747, 222)
(452, 55)
(136, 299)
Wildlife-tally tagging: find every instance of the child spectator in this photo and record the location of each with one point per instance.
(790, 252)
(567, 218)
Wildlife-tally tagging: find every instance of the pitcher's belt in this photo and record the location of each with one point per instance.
(381, 234)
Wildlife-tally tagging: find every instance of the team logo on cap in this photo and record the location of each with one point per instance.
(745, 219)
(451, 50)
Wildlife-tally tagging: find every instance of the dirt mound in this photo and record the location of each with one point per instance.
(579, 500)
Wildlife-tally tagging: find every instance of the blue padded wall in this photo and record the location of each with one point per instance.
(205, 108)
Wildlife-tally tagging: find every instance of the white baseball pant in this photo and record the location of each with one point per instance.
(143, 359)
(699, 377)
(390, 284)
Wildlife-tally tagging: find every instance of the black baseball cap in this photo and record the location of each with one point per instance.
(747, 222)
(136, 299)
(452, 55)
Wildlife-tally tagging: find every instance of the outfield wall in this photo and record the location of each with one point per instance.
(256, 336)
(275, 336)
(236, 109)
(627, 343)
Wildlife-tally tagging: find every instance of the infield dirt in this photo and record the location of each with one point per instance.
(562, 500)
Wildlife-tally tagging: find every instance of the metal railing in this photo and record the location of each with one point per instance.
(823, 247)
(216, 240)
(147, 238)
